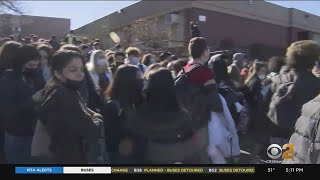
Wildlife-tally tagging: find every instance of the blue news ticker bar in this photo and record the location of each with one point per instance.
(39, 170)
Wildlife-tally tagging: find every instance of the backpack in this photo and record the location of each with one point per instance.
(184, 89)
(231, 98)
(192, 149)
(283, 110)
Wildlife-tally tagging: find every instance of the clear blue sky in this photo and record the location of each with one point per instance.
(84, 12)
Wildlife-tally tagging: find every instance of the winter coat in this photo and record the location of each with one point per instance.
(69, 123)
(169, 136)
(123, 146)
(18, 111)
(307, 131)
(258, 123)
(307, 87)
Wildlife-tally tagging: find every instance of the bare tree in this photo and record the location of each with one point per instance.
(144, 33)
(9, 21)
(10, 5)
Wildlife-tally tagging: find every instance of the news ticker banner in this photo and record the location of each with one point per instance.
(134, 170)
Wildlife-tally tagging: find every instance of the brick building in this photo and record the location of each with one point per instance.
(260, 29)
(24, 25)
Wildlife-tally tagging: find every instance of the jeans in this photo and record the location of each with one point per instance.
(18, 149)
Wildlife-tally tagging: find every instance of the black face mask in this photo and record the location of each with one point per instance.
(73, 85)
(31, 72)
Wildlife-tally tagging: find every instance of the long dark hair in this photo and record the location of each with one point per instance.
(8, 54)
(220, 69)
(126, 86)
(25, 53)
(61, 59)
(160, 92)
(47, 49)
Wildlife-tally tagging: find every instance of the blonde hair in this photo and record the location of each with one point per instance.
(301, 55)
(133, 50)
(91, 65)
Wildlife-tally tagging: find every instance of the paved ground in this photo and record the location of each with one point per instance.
(248, 147)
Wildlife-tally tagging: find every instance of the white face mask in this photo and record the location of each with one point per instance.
(134, 60)
(101, 62)
(262, 77)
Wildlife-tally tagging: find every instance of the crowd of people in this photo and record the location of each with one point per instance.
(74, 103)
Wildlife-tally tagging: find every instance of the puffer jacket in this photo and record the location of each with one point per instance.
(307, 135)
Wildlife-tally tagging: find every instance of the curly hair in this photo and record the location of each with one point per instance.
(301, 55)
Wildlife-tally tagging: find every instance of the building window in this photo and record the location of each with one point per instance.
(202, 18)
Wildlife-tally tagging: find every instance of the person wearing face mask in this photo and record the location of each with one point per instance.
(99, 71)
(257, 74)
(133, 58)
(70, 124)
(21, 94)
(45, 52)
(258, 126)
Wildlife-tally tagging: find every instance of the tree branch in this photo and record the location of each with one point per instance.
(10, 5)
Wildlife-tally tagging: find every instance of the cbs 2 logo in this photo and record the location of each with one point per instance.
(274, 151)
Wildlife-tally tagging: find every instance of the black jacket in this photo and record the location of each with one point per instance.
(307, 131)
(258, 125)
(17, 109)
(116, 133)
(69, 123)
(88, 92)
(169, 136)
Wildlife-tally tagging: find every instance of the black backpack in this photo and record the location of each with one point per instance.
(283, 110)
(183, 88)
(191, 98)
(231, 98)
